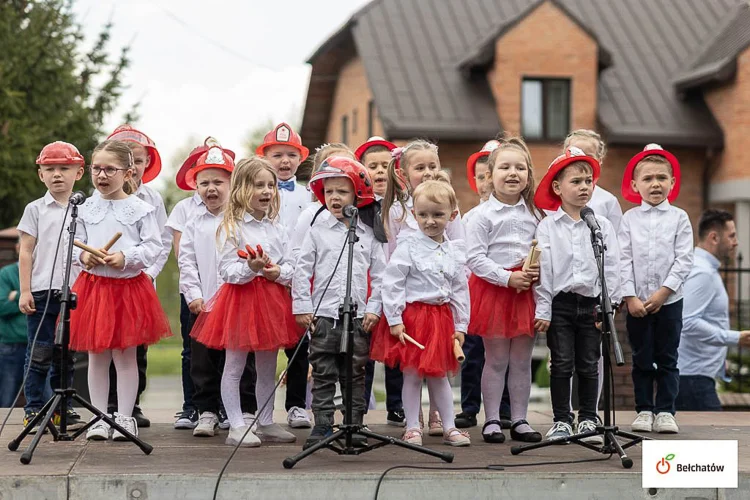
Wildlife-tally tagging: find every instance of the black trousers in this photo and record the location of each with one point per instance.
(296, 376)
(575, 346)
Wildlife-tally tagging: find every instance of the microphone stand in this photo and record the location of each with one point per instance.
(609, 431)
(65, 394)
(348, 312)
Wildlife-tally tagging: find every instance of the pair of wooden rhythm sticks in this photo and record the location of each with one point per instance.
(95, 251)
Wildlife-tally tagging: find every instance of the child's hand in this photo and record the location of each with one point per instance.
(541, 325)
(369, 321)
(26, 303)
(654, 303)
(533, 272)
(116, 260)
(520, 280)
(271, 272)
(304, 320)
(91, 261)
(461, 337)
(635, 307)
(258, 262)
(398, 331)
(196, 306)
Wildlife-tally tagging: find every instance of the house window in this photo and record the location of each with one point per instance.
(345, 129)
(354, 121)
(370, 118)
(545, 109)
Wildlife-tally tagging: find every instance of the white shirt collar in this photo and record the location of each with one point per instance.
(499, 205)
(707, 256)
(663, 206)
(49, 199)
(425, 240)
(197, 199)
(249, 218)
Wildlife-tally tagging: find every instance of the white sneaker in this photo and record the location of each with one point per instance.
(297, 418)
(589, 426)
(99, 431)
(559, 430)
(644, 422)
(207, 424)
(665, 423)
(235, 435)
(249, 419)
(127, 423)
(273, 433)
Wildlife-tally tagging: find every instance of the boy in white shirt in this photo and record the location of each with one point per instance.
(656, 242)
(568, 290)
(41, 259)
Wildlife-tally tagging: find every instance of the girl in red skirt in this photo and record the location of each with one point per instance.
(425, 295)
(252, 311)
(499, 237)
(118, 309)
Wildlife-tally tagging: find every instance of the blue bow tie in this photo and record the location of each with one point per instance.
(288, 185)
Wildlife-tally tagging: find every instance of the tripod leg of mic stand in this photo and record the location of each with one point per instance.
(13, 445)
(609, 438)
(145, 447)
(47, 421)
(290, 462)
(444, 456)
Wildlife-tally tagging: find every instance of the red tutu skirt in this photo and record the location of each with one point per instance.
(255, 316)
(116, 313)
(499, 311)
(430, 325)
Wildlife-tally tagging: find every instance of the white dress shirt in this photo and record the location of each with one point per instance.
(398, 228)
(135, 219)
(567, 262)
(317, 259)
(607, 205)
(153, 198)
(270, 235)
(198, 260)
(656, 249)
(43, 219)
(184, 211)
(705, 333)
(303, 226)
(465, 218)
(423, 270)
(292, 204)
(499, 238)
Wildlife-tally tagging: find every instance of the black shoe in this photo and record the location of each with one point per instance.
(505, 422)
(465, 420)
(359, 441)
(396, 418)
(493, 437)
(186, 419)
(526, 437)
(73, 420)
(140, 418)
(319, 433)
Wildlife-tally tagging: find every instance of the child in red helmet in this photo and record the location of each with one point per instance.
(339, 182)
(41, 260)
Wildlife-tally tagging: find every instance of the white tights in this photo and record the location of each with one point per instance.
(127, 379)
(513, 355)
(440, 394)
(234, 365)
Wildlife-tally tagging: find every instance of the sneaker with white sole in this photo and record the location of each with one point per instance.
(413, 436)
(223, 419)
(186, 419)
(100, 431)
(249, 419)
(665, 423)
(127, 423)
(235, 436)
(559, 430)
(273, 433)
(589, 426)
(207, 424)
(644, 422)
(297, 418)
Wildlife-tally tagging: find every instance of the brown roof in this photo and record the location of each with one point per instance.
(425, 62)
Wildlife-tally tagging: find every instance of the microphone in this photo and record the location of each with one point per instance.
(77, 198)
(350, 211)
(590, 219)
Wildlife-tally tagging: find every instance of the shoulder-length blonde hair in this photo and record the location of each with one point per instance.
(518, 144)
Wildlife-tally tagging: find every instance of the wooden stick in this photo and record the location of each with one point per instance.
(533, 256)
(457, 351)
(112, 241)
(91, 250)
(409, 339)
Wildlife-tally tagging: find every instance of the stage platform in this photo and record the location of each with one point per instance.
(183, 467)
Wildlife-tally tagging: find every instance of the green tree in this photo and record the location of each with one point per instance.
(50, 89)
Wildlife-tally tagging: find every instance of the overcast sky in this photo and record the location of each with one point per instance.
(213, 68)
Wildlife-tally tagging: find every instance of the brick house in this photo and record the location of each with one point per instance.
(458, 73)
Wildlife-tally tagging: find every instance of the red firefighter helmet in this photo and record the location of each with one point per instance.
(191, 160)
(340, 166)
(215, 157)
(129, 134)
(283, 135)
(60, 153)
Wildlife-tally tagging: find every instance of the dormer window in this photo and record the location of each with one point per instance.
(545, 109)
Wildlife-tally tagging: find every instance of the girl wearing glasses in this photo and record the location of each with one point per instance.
(118, 309)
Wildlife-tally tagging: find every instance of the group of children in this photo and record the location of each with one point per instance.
(259, 259)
